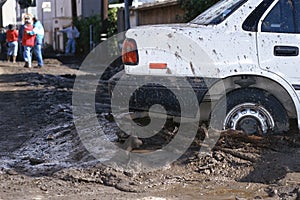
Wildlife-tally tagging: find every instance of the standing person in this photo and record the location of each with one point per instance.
(12, 42)
(38, 30)
(21, 32)
(28, 43)
(72, 33)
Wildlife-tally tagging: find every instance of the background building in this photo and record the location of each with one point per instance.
(8, 15)
(58, 14)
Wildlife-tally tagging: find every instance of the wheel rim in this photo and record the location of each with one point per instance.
(250, 118)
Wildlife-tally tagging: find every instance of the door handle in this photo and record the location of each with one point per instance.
(286, 51)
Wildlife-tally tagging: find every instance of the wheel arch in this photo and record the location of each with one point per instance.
(275, 85)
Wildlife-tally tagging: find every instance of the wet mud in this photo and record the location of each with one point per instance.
(42, 155)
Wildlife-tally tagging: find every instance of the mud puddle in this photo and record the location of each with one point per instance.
(42, 155)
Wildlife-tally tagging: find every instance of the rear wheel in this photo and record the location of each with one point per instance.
(252, 110)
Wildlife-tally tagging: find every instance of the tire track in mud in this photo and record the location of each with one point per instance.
(36, 118)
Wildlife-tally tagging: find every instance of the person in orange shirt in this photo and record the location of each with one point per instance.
(28, 43)
(12, 42)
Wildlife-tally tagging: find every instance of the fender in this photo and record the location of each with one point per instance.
(277, 79)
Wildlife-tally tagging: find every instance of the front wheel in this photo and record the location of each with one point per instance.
(251, 110)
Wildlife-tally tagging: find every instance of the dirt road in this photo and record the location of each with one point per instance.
(42, 157)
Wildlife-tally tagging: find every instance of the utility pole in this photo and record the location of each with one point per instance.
(74, 9)
(127, 15)
(104, 14)
(2, 2)
(104, 19)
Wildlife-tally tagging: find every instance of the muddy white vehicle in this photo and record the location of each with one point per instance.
(249, 47)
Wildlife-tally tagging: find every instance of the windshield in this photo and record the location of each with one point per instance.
(218, 12)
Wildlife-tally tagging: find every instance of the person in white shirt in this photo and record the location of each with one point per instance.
(72, 33)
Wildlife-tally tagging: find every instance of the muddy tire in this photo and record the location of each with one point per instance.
(251, 110)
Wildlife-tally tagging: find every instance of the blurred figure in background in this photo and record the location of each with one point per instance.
(12, 42)
(38, 30)
(3, 41)
(28, 41)
(21, 32)
(72, 33)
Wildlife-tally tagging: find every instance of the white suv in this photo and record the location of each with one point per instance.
(241, 56)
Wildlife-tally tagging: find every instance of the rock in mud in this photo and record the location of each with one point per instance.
(36, 161)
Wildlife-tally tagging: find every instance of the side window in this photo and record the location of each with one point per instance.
(281, 19)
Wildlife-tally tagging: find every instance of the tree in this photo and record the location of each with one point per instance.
(83, 25)
(194, 7)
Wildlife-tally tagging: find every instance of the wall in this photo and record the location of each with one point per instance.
(91, 7)
(46, 19)
(9, 15)
(59, 17)
(159, 13)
